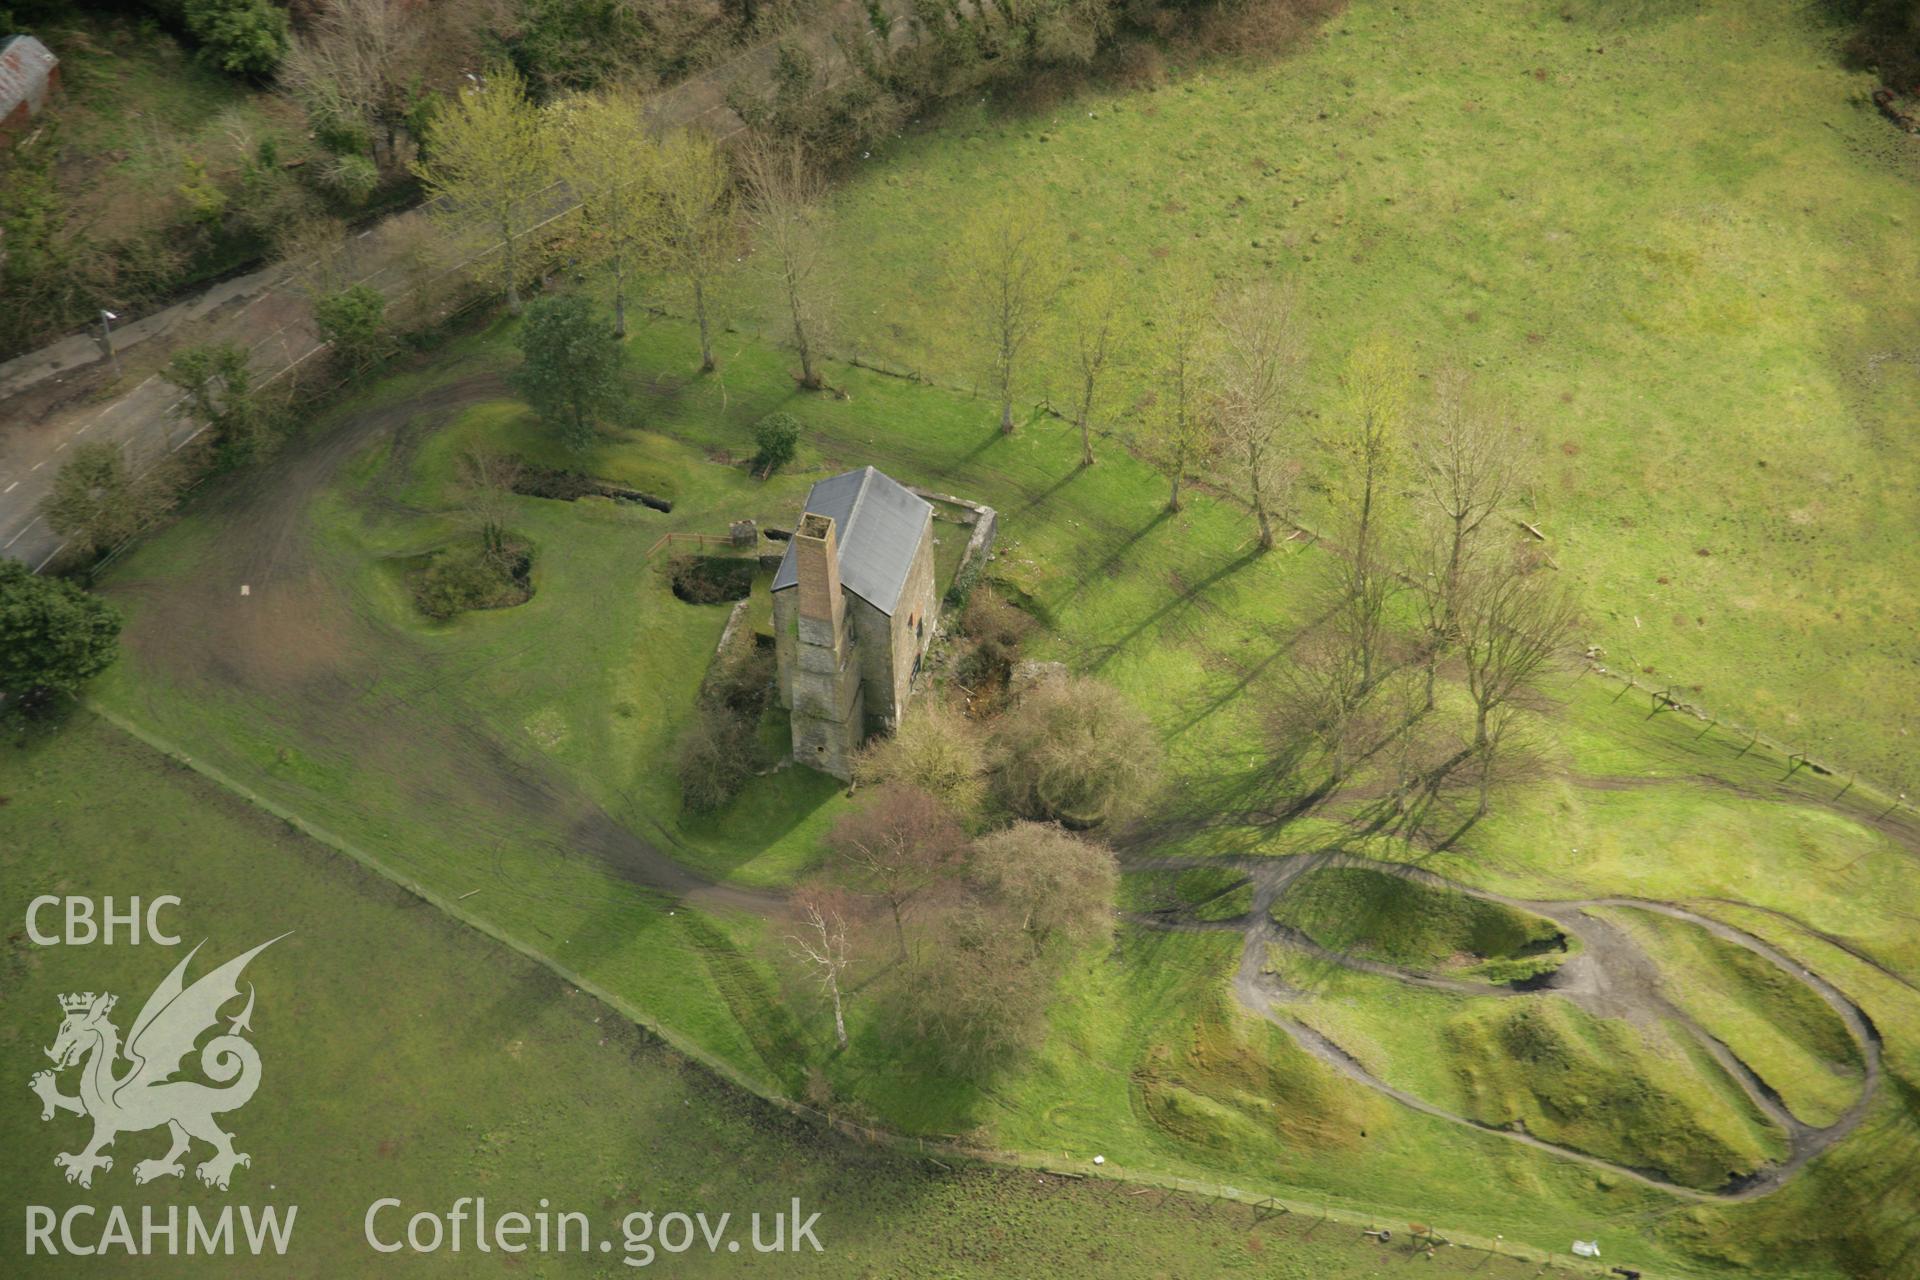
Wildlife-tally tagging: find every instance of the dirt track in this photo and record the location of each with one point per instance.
(1611, 977)
(297, 641)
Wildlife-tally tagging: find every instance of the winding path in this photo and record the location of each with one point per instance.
(1612, 977)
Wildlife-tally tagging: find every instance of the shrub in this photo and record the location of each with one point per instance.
(715, 757)
(354, 321)
(1075, 752)
(742, 682)
(245, 37)
(996, 629)
(220, 396)
(778, 438)
(471, 577)
(350, 175)
(1059, 886)
(97, 503)
(54, 637)
(934, 749)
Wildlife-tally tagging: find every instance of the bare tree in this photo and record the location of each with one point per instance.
(935, 749)
(1076, 751)
(985, 999)
(487, 486)
(1178, 433)
(695, 228)
(1006, 264)
(783, 204)
(492, 153)
(1515, 619)
(1469, 457)
(820, 942)
(1262, 350)
(1095, 310)
(1334, 680)
(1375, 387)
(897, 843)
(351, 65)
(1059, 886)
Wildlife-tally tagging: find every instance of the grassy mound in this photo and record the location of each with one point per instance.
(1220, 1090)
(1776, 1024)
(1397, 921)
(1543, 1066)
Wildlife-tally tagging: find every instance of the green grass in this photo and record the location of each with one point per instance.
(136, 108)
(1174, 611)
(1677, 239)
(405, 1055)
(1639, 1095)
(1778, 1026)
(1197, 893)
(1384, 917)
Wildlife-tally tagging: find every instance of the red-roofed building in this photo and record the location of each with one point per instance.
(29, 74)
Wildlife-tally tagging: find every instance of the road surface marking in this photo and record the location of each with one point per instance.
(23, 532)
(10, 488)
(50, 555)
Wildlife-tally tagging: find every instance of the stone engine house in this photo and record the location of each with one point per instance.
(853, 613)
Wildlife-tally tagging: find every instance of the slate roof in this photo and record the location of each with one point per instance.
(877, 525)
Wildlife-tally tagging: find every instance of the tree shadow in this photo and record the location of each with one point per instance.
(1184, 600)
(1104, 570)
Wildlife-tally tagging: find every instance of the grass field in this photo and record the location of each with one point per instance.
(405, 1055)
(1427, 170)
(404, 740)
(1676, 238)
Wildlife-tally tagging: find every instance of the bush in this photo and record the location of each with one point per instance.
(354, 321)
(54, 637)
(997, 630)
(778, 437)
(715, 757)
(934, 749)
(742, 682)
(1059, 886)
(245, 37)
(471, 577)
(1075, 752)
(351, 176)
(97, 503)
(961, 589)
(218, 384)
